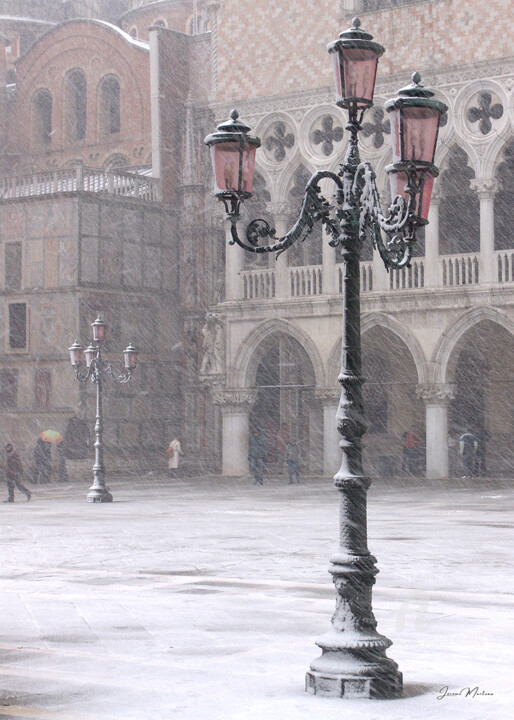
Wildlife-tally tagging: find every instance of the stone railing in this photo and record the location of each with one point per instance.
(258, 284)
(505, 265)
(80, 178)
(408, 278)
(459, 269)
(306, 281)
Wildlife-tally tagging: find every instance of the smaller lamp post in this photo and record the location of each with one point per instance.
(95, 368)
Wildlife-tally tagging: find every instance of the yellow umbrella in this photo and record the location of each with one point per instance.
(51, 436)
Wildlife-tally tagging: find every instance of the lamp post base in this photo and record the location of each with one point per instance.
(99, 494)
(383, 685)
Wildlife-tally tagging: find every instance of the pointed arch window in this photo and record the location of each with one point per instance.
(42, 118)
(460, 207)
(76, 105)
(110, 107)
(504, 202)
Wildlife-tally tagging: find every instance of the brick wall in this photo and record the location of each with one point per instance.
(269, 48)
(98, 50)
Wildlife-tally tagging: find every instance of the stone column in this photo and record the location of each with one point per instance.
(329, 398)
(436, 398)
(328, 258)
(432, 241)
(212, 8)
(486, 190)
(279, 212)
(235, 408)
(233, 267)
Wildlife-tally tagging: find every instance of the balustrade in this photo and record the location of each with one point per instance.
(505, 265)
(408, 278)
(459, 269)
(80, 178)
(306, 281)
(258, 284)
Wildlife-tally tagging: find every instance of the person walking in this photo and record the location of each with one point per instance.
(257, 454)
(482, 437)
(14, 472)
(282, 440)
(42, 462)
(468, 445)
(62, 473)
(174, 451)
(293, 459)
(411, 445)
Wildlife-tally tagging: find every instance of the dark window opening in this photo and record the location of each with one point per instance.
(110, 103)
(8, 388)
(18, 326)
(460, 208)
(12, 266)
(76, 101)
(43, 118)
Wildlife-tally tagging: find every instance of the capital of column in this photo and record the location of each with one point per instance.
(485, 188)
(234, 399)
(327, 395)
(436, 394)
(279, 210)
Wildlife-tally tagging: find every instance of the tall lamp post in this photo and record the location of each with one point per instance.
(96, 368)
(353, 662)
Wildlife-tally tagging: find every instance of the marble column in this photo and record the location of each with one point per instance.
(329, 398)
(432, 241)
(437, 399)
(280, 215)
(486, 190)
(328, 257)
(233, 267)
(235, 408)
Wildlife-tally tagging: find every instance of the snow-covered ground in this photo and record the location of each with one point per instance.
(201, 598)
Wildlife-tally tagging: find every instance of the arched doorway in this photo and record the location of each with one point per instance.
(390, 404)
(284, 379)
(481, 367)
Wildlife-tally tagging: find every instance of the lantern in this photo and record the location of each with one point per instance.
(99, 330)
(91, 353)
(355, 58)
(75, 354)
(233, 158)
(130, 354)
(414, 117)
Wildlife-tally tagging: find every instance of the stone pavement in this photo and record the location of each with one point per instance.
(202, 598)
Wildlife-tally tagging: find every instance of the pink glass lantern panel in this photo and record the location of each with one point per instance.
(426, 180)
(355, 70)
(225, 163)
(99, 330)
(90, 354)
(75, 355)
(420, 125)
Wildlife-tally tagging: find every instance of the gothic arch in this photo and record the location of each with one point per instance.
(389, 323)
(247, 356)
(450, 338)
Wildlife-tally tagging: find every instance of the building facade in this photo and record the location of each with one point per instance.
(254, 340)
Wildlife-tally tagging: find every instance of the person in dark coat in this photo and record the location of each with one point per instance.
(13, 473)
(482, 437)
(292, 459)
(257, 454)
(42, 462)
(62, 473)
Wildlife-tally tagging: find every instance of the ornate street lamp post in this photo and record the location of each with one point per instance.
(353, 662)
(95, 368)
